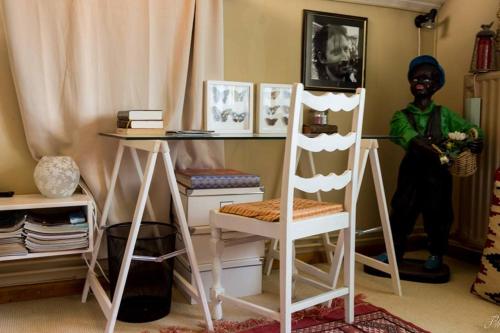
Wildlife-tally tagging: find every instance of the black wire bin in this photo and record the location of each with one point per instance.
(148, 289)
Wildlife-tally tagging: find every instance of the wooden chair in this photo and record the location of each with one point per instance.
(288, 218)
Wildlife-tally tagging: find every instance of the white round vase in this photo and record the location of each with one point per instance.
(56, 176)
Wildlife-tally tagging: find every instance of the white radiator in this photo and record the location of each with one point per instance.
(475, 191)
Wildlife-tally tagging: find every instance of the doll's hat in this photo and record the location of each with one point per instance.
(427, 59)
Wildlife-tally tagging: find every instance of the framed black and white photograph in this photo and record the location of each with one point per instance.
(273, 107)
(228, 106)
(333, 51)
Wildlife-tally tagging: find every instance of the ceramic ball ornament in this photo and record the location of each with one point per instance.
(56, 176)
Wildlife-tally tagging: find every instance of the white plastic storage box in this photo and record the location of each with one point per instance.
(197, 203)
(201, 243)
(239, 277)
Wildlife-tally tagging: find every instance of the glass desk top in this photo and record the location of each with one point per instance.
(216, 136)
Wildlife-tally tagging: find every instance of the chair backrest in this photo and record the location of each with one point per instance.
(322, 142)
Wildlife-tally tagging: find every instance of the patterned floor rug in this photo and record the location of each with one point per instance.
(368, 318)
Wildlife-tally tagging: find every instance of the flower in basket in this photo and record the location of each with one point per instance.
(457, 143)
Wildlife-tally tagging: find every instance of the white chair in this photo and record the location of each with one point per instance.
(295, 218)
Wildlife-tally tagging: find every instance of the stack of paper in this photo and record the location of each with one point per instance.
(11, 234)
(45, 235)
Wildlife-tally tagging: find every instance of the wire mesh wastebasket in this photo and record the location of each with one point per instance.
(148, 288)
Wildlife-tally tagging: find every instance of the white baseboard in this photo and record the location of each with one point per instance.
(42, 270)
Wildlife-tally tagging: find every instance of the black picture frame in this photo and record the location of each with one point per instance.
(340, 70)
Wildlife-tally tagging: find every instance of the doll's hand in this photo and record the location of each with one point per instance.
(476, 146)
(423, 148)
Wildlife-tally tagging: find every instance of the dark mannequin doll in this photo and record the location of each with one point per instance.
(424, 185)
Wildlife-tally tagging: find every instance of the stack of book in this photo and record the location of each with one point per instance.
(216, 178)
(202, 190)
(11, 237)
(140, 122)
(60, 231)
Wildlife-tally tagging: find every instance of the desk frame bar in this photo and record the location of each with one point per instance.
(153, 147)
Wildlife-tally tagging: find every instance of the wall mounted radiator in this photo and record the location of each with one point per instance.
(475, 192)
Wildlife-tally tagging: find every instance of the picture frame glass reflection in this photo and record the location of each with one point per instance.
(228, 106)
(274, 102)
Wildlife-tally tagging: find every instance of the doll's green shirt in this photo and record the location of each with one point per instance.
(401, 128)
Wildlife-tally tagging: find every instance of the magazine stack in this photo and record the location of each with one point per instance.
(11, 233)
(47, 231)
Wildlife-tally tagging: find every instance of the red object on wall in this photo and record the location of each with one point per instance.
(484, 54)
(483, 59)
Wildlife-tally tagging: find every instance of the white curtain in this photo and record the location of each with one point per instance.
(75, 63)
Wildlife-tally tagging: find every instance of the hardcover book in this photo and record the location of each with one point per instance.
(216, 178)
(140, 115)
(122, 123)
(140, 131)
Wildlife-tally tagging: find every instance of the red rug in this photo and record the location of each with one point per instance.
(368, 318)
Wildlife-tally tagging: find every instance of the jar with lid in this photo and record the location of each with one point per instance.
(319, 117)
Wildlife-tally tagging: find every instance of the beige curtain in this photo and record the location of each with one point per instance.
(75, 63)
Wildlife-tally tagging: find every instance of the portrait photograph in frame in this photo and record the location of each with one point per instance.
(273, 107)
(333, 51)
(228, 106)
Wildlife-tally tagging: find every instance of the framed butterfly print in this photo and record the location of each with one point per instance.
(228, 106)
(273, 106)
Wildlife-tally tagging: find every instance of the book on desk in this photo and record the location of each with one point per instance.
(140, 122)
(140, 115)
(123, 123)
(216, 178)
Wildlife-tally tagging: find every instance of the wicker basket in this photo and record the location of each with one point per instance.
(464, 165)
(466, 162)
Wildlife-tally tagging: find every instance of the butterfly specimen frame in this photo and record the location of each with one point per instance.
(228, 106)
(273, 101)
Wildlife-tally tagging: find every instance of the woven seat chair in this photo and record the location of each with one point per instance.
(288, 218)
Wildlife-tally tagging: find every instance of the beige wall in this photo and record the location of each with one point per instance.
(459, 21)
(16, 164)
(263, 44)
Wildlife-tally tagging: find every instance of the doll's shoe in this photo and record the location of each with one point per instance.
(382, 257)
(433, 263)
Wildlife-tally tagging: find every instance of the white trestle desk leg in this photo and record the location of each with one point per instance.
(272, 252)
(134, 231)
(384, 218)
(325, 237)
(186, 237)
(102, 222)
(339, 248)
(369, 148)
(138, 168)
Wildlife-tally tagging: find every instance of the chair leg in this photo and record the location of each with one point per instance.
(217, 247)
(286, 267)
(349, 273)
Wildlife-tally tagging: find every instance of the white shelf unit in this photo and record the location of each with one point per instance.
(37, 201)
